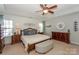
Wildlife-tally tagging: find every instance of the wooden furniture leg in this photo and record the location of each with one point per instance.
(30, 47)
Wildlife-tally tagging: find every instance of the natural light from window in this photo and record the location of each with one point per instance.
(41, 27)
(8, 26)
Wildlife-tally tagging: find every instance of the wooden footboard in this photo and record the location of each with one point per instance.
(31, 47)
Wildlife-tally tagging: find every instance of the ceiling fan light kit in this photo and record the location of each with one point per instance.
(45, 11)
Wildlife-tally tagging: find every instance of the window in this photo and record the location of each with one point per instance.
(41, 27)
(8, 26)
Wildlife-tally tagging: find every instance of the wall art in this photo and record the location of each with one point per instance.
(75, 26)
(60, 25)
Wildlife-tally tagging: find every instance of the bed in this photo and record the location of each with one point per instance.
(30, 37)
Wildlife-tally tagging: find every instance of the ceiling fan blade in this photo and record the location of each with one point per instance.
(55, 6)
(41, 5)
(51, 12)
(45, 5)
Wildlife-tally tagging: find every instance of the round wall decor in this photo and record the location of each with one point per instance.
(60, 25)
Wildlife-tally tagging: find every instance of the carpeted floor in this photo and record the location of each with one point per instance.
(60, 48)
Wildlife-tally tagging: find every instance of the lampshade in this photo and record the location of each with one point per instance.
(17, 29)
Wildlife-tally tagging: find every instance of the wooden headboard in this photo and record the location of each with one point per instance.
(29, 30)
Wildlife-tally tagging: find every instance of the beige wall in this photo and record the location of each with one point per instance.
(69, 24)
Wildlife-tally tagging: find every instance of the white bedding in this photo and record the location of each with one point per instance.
(30, 39)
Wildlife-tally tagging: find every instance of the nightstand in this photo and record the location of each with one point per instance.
(1, 45)
(16, 38)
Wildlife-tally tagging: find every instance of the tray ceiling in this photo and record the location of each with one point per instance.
(29, 10)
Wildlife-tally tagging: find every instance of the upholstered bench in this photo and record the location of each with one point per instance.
(44, 46)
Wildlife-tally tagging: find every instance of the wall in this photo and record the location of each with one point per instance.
(1, 18)
(1, 22)
(17, 20)
(20, 21)
(69, 24)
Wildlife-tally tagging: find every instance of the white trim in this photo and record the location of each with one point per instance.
(75, 43)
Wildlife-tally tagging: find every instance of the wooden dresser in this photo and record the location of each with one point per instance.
(61, 36)
(16, 38)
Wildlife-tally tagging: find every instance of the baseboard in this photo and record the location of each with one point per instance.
(75, 43)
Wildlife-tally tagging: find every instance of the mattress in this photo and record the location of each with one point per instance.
(31, 39)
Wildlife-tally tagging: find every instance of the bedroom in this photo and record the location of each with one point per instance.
(24, 16)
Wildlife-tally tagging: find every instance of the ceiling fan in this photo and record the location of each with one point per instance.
(47, 9)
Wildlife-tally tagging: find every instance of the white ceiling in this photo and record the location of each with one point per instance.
(29, 10)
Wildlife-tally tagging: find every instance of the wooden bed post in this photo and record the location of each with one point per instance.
(30, 47)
